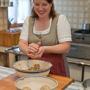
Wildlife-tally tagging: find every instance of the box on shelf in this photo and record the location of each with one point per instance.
(9, 39)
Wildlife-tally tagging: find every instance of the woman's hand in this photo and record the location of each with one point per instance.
(35, 55)
(34, 47)
(38, 54)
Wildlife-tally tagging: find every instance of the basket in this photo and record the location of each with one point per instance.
(9, 39)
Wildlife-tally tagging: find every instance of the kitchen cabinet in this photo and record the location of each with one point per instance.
(79, 68)
(75, 70)
(87, 72)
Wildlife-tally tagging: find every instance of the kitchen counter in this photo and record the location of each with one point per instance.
(11, 57)
(79, 61)
(6, 72)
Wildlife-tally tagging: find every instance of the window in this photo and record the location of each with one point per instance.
(19, 11)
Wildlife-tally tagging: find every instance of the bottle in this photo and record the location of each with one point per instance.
(2, 2)
(6, 2)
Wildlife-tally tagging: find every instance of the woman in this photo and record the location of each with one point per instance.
(46, 36)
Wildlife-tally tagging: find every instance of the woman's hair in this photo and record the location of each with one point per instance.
(52, 12)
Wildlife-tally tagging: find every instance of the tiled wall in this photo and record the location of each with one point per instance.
(3, 18)
(77, 11)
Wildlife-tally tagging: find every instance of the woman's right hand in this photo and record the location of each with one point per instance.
(38, 54)
(33, 47)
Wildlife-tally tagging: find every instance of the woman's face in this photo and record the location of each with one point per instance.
(42, 8)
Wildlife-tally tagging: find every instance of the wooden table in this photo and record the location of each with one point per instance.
(8, 82)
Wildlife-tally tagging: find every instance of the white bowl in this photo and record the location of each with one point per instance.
(22, 68)
(36, 82)
(23, 74)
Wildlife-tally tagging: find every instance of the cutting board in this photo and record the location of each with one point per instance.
(7, 83)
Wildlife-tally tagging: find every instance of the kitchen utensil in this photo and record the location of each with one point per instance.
(86, 26)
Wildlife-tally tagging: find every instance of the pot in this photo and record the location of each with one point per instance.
(86, 26)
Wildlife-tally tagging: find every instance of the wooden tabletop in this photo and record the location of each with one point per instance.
(7, 83)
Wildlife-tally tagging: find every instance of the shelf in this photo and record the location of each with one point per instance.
(10, 4)
(5, 6)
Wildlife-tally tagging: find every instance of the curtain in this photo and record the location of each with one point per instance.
(19, 11)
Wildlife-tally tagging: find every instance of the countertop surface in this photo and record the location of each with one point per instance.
(8, 83)
(4, 72)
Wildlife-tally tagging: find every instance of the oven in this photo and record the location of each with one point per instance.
(80, 47)
(80, 51)
(79, 55)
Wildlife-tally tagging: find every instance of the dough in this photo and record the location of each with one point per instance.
(45, 87)
(26, 88)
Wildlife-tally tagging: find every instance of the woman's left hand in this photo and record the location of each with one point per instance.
(37, 54)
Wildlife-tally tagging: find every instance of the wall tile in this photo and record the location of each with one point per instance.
(77, 11)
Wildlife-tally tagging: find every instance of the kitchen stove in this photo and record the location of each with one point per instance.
(81, 36)
(80, 47)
